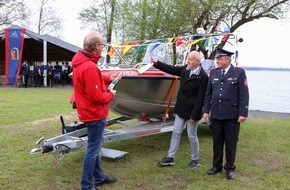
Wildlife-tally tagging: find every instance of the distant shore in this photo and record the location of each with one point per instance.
(264, 69)
(258, 113)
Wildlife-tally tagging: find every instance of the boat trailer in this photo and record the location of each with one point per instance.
(74, 137)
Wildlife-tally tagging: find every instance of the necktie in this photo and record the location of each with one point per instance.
(223, 72)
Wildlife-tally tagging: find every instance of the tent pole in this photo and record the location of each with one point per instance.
(45, 63)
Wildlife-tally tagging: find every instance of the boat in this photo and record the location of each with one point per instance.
(151, 94)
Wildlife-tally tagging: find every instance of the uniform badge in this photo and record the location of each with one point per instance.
(246, 82)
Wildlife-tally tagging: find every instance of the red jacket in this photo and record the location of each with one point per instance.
(91, 95)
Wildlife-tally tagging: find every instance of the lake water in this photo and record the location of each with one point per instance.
(269, 90)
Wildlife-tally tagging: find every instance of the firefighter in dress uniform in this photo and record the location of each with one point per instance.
(49, 74)
(227, 99)
(25, 73)
(37, 75)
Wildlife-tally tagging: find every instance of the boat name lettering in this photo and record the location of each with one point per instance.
(129, 73)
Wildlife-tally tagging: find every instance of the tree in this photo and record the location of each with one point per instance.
(48, 22)
(101, 16)
(12, 12)
(214, 15)
(19, 13)
(147, 19)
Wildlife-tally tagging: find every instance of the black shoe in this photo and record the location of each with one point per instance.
(213, 171)
(166, 161)
(107, 180)
(230, 174)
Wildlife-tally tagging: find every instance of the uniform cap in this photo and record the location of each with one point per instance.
(223, 52)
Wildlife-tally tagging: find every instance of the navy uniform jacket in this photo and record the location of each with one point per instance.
(25, 69)
(49, 69)
(191, 91)
(37, 70)
(227, 97)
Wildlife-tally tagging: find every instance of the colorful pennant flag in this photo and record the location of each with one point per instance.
(126, 48)
(140, 49)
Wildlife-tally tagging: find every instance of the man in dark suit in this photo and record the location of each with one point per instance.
(25, 73)
(227, 99)
(188, 107)
(49, 74)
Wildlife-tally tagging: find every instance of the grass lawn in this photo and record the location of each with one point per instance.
(263, 156)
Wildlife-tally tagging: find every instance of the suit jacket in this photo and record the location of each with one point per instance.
(190, 97)
(227, 97)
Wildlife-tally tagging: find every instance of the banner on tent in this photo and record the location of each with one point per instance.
(14, 40)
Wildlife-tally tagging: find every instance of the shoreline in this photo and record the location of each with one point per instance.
(259, 113)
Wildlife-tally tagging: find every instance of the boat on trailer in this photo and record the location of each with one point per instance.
(143, 93)
(149, 97)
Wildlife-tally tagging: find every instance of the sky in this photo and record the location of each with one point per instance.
(72, 31)
(265, 42)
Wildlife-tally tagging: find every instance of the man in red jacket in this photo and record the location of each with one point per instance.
(92, 99)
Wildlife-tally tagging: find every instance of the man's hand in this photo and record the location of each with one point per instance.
(206, 117)
(115, 75)
(112, 90)
(153, 60)
(241, 119)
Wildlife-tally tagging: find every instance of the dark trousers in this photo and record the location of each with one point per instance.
(37, 80)
(26, 77)
(225, 133)
(49, 80)
(31, 80)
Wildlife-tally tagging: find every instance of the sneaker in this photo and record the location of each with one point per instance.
(193, 164)
(166, 161)
(107, 180)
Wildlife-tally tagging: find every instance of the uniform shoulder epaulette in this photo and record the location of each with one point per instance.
(240, 68)
(214, 70)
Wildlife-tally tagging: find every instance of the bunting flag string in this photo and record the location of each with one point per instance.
(184, 41)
